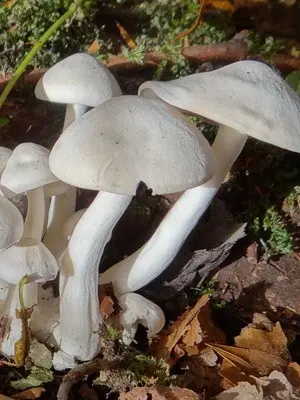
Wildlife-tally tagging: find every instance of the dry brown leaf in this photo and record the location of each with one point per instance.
(29, 394)
(159, 393)
(188, 334)
(274, 342)
(293, 374)
(2, 397)
(94, 47)
(106, 306)
(251, 361)
(232, 375)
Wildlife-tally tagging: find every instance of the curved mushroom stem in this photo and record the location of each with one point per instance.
(80, 317)
(61, 208)
(34, 222)
(73, 111)
(153, 258)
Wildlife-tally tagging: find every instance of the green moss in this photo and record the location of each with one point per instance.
(266, 47)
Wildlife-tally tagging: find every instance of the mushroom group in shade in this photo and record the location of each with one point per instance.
(113, 148)
(246, 99)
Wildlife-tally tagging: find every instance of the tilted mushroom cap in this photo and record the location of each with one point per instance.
(78, 79)
(247, 96)
(27, 169)
(11, 224)
(5, 153)
(28, 257)
(130, 139)
(135, 310)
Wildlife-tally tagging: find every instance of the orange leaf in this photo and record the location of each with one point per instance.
(94, 47)
(29, 394)
(293, 374)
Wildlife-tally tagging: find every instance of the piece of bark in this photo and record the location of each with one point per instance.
(190, 267)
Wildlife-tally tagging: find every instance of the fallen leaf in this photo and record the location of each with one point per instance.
(40, 355)
(159, 393)
(250, 361)
(272, 387)
(232, 375)
(106, 306)
(274, 342)
(94, 47)
(2, 397)
(29, 394)
(187, 335)
(293, 374)
(36, 378)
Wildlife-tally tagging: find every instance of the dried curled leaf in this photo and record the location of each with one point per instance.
(188, 334)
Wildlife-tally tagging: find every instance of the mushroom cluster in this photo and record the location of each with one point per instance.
(111, 143)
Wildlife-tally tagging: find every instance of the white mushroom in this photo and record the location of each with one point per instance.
(246, 98)
(80, 81)
(11, 224)
(5, 153)
(122, 142)
(136, 310)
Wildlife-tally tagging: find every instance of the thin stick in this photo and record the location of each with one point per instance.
(196, 23)
(43, 39)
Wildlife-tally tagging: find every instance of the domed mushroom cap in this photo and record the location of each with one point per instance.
(11, 224)
(5, 153)
(30, 258)
(130, 139)
(247, 96)
(78, 79)
(27, 169)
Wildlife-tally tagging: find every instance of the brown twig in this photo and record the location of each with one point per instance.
(79, 372)
(226, 52)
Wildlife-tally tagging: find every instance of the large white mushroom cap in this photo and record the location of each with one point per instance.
(27, 169)
(130, 139)
(247, 96)
(78, 79)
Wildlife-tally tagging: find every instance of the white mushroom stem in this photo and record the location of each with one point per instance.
(153, 258)
(62, 207)
(136, 310)
(80, 318)
(34, 222)
(15, 324)
(73, 111)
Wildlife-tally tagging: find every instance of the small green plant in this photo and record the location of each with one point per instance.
(273, 228)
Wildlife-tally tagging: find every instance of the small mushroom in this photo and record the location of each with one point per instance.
(80, 81)
(246, 98)
(120, 143)
(135, 310)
